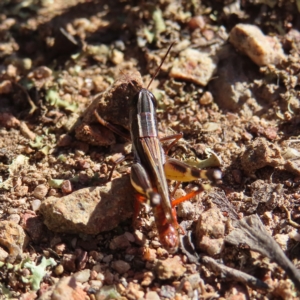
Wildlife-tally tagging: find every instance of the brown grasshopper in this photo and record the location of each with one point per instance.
(152, 167)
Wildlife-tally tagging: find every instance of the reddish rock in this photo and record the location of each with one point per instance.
(90, 210)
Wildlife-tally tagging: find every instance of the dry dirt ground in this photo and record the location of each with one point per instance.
(230, 84)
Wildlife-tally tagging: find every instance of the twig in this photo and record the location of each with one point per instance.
(289, 218)
(252, 232)
(233, 274)
(31, 103)
(226, 273)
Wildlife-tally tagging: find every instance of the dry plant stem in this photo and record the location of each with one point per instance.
(233, 274)
(251, 231)
(226, 273)
(289, 218)
(31, 103)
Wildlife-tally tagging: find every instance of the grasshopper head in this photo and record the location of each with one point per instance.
(146, 102)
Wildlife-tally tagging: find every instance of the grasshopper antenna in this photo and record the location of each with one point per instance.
(159, 67)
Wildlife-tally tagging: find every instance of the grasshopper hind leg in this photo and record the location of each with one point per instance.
(142, 184)
(180, 171)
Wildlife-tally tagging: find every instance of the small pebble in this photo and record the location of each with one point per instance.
(35, 204)
(169, 268)
(140, 238)
(21, 191)
(14, 218)
(119, 242)
(152, 296)
(69, 262)
(120, 266)
(211, 246)
(66, 187)
(108, 277)
(64, 140)
(117, 57)
(60, 248)
(3, 254)
(96, 284)
(263, 50)
(108, 258)
(6, 87)
(194, 66)
(206, 98)
(82, 276)
(186, 210)
(97, 268)
(148, 277)
(197, 22)
(282, 240)
(59, 269)
(97, 256)
(40, 73)
(40, 191)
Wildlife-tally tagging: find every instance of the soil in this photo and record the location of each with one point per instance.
(229, 88)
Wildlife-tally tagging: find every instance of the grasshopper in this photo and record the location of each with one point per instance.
(152, 167)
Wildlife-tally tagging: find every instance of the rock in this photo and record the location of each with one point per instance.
(211, 223)
(3, 254)
(108, 277)
(169, 268)
(194, 280)
(259, 154)
(35, 204)
(140, 238)
(195, 66)
(152, 296)
(120, 266)
(186, 210)
(210, 231)
(265, 196)
(13, 238)
(133, 291)
(90, 210)
(59, 269)
(96, 284)
(66, 187)
(167, 291)
(148, 277)
(230, 87)
(82, 276)
(97, 135)
(211, 246)
(113, 106)
(65, 288)
(8, 120)
(282, 240)
(6, 87)
(81, 258)
(34, 226)
(116, 57)
(40, 191)
(68, 261)
(293, 166)
(263, 50)
(119, 242)
(21, 190)
(41, 72)
(108, 258)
